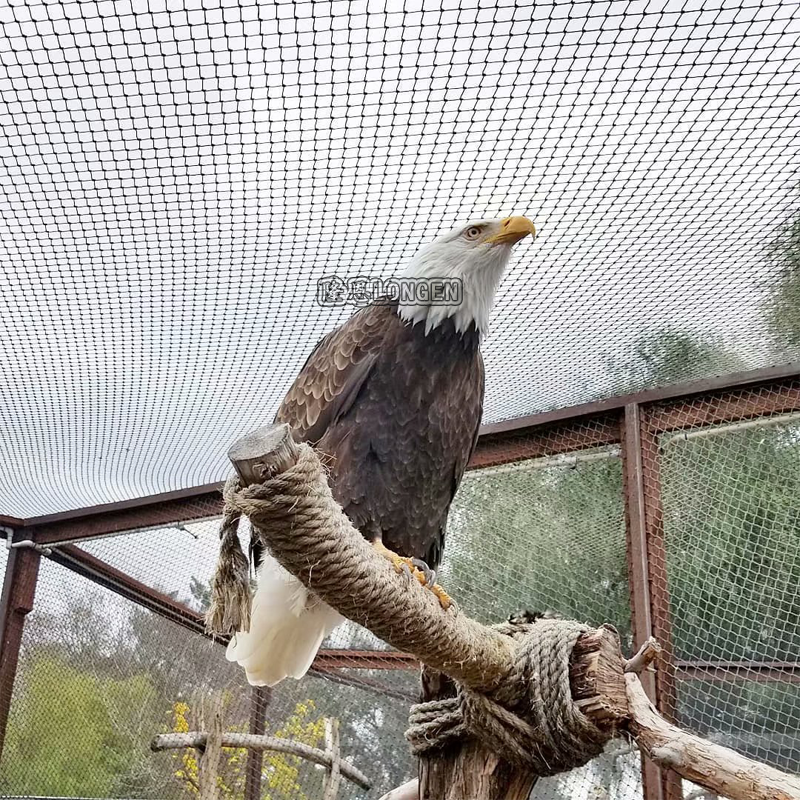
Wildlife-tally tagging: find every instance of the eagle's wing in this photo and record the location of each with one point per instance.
(331, 379)
(334, 373)
(435, 549)
(461, 464)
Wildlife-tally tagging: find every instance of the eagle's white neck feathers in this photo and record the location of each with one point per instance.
(478, 265)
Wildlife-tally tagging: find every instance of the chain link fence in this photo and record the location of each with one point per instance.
(730, 497)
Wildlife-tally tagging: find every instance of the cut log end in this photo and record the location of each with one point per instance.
(597, 680)
(263, 453)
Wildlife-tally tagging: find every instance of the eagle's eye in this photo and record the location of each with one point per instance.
(472, 233)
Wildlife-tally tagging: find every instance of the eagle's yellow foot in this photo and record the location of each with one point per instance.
(444, 599)
(418, 569)
(400, 563)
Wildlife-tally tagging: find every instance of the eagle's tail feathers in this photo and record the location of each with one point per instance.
(287, 627)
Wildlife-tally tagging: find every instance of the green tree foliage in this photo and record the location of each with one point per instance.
(284, 777)
(539, 538)
(670, 355)
(98, 678)
(71, 733)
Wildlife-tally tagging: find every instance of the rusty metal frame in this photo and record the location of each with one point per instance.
(634, 421)
(19, 591)
(653, 784)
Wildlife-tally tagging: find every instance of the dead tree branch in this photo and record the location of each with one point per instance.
(723, 771)
(175, 741)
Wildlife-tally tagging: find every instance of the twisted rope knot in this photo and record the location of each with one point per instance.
(531, 718)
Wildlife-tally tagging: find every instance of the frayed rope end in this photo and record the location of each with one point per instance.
(229, 611)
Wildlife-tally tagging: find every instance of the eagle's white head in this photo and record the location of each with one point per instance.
(475, 255)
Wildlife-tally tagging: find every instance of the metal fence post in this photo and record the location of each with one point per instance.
(646, 561)
(19, 589)
(259, 700)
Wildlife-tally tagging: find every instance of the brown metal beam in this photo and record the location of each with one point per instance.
(687, 390)
(192, 493)
(102, 573)
(656, 553)
(19, 590)
(146, 512)
(549, 440)
(755, 671)
(636, 534)
(734, 406)
(638, 569)
(365, 659)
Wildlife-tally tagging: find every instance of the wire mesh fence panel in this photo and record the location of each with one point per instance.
(100, 677)
(730, 520)
(177, 560)
(542, 534)
(175, 178)
(546, 534)
(97, 679)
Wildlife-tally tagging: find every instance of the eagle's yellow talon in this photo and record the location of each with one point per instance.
(401, 563)
(444, 599)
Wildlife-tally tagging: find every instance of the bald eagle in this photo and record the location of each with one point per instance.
(393, 399)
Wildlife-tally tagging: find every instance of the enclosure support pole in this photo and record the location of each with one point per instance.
(260, 697)
(647, 571)
(19, 589)
(466, 769)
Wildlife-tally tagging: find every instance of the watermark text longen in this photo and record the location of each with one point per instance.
(334, 290)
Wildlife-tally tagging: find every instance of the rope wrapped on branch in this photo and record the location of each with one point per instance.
(517, 687)
(294, 512)
(230, 587)
(545, 732)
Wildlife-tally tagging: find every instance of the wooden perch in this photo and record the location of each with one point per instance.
(311, 537)
(724, 771)
(408, 791)
(250, 741)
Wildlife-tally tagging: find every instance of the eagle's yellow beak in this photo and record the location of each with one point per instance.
(512, 229)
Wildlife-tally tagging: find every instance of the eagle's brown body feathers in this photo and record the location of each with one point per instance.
(396, 412)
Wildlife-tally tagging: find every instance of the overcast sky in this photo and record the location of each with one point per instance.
(175, 177)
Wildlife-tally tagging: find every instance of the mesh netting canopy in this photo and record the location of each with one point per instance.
(177, 175)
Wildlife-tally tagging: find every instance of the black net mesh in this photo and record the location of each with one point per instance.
(176, 176)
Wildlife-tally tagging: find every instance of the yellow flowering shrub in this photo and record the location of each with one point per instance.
(281, 773)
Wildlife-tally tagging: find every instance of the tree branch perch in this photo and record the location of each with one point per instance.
(251, 741)
(310, 536)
